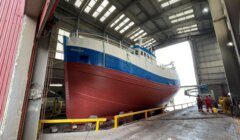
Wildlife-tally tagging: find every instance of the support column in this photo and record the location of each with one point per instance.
(36, 91)
(232, 8)
(229, 56)
(195, 60)
(12, 115)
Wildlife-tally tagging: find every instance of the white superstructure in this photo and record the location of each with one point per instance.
(144, 61)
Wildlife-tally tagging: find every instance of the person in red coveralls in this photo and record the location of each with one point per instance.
(208, 102)
(199, 104)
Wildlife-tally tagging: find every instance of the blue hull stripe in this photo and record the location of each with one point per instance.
(88, 56)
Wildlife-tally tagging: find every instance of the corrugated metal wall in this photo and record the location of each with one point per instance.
(209, 61)
(11, 16)
(209, 64)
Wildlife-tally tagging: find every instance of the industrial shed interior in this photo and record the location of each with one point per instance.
(46, 94)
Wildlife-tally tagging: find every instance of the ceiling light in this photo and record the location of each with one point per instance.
(170, 2)
(124, 22)
(90, 6)
(108, 13)
(149, 42)
(100, 8)
(137, 34)
(133, 32)
(187, 29)
(117, 20)
(230, 44)
(205, 10)
(56, 85)
(78, 3)
(181, 16)
(127, 27)
(140, 36)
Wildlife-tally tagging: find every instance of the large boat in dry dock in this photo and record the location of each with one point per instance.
(104, 79)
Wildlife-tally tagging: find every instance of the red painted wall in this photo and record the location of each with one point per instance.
(11, 17)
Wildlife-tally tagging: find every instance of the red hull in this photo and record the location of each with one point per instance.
(93, 90)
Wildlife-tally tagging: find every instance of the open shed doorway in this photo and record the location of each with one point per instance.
(181, 55)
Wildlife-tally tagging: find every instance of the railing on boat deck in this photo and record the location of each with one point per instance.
(117, 117)
(113, 42)
(75, 121)
(97, 37)
(118, 44)
(102, 38)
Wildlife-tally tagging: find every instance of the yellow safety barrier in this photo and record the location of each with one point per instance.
(116, 117)
(90, 120)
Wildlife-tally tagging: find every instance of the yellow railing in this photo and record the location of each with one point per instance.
(116, 117)
(75, 121)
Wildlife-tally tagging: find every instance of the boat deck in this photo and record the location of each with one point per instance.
(187, 124)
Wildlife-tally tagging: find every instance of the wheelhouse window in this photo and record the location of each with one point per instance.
(136, 52)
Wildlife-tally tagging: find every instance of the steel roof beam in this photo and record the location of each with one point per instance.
(121, 12)
(104, 11)
(104, 27)
(84, 19)
(94, 8)
(182, 37)
(182, 24)
(148, 15)
(165, 13)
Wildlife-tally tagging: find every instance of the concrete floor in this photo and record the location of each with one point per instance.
(187, 124)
